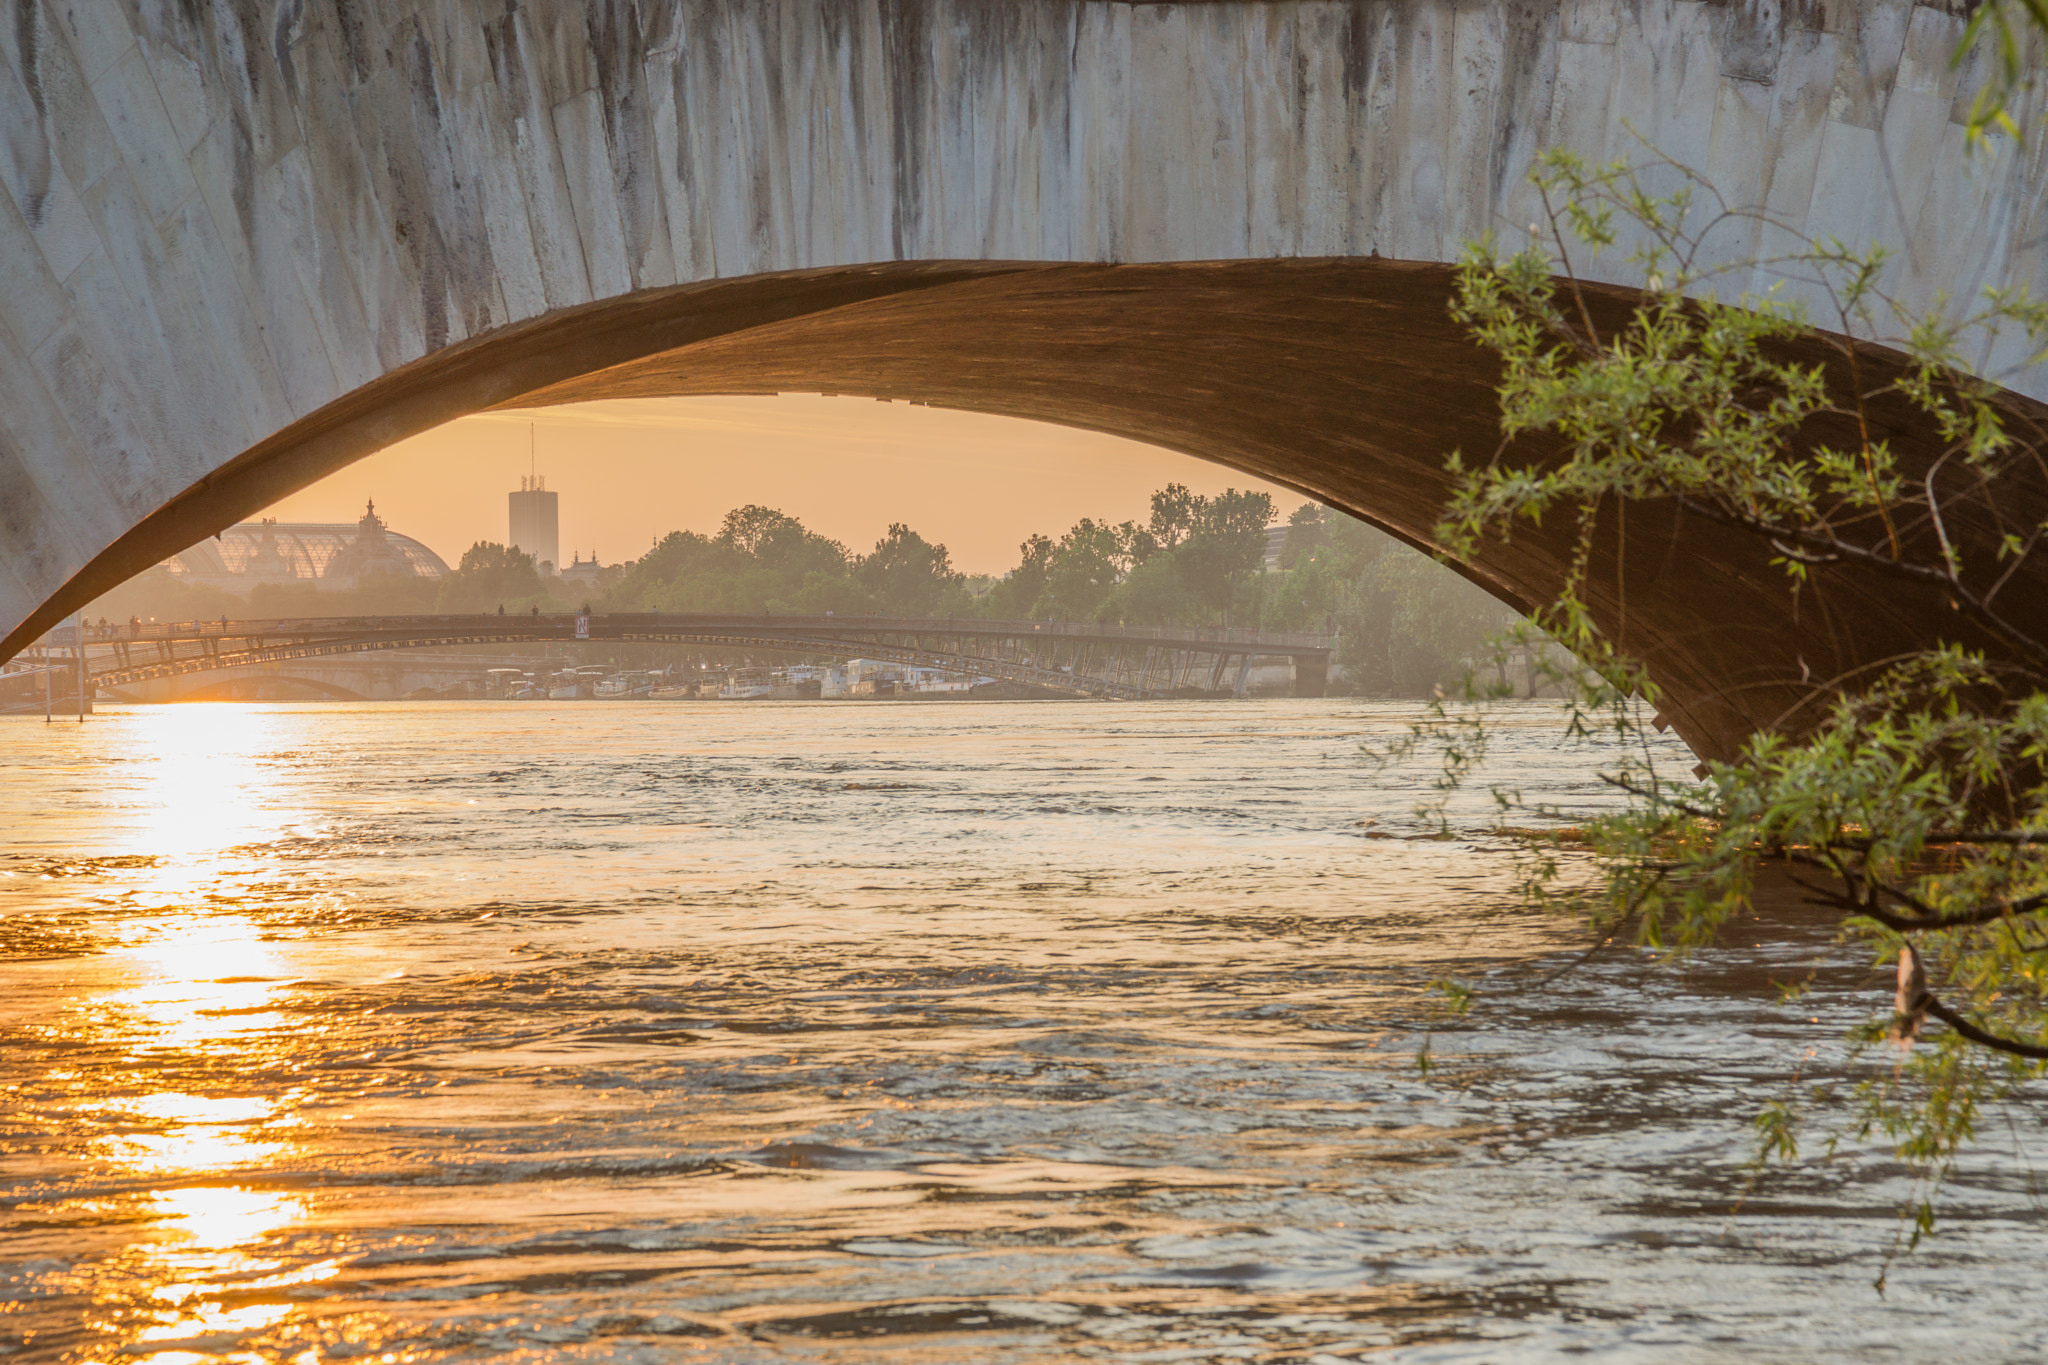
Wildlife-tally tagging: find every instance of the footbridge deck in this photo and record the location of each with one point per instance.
(1082, 658)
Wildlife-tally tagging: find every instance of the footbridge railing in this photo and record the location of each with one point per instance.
(1083, 658)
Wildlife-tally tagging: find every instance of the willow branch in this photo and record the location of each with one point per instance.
(1968, 602)
(1648, 794)
(2026, 551)
(1627, 916)
(1978, 1036)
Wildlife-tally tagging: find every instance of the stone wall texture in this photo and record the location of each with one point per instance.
(223, 219)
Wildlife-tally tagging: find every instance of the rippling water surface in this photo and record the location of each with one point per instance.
(894, 1033)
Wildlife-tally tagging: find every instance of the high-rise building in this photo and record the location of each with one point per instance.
(536, 522)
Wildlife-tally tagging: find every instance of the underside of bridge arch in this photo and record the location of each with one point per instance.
(243, 685)
(1345, 378)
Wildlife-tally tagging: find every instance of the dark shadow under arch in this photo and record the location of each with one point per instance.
(327, 691)
(223, 689)
(1345, 379)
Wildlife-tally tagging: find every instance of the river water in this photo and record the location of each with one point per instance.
(897, 1033)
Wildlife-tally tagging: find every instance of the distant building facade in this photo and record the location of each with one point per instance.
(581, 570)
(326, 554)
(371, 553)
(1276, 544)
(536, 523)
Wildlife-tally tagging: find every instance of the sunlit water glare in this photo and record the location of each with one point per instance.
(897, 1033)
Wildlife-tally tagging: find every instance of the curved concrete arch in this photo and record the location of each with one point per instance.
(222, 687)
(246, 244)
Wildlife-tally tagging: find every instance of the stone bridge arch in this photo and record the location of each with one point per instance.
(228, 686)
(244, 244)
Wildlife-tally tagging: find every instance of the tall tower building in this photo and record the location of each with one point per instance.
(536, 522)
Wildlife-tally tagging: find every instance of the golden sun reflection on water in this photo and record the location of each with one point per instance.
(219, 1216)
(199, 987)
(195, 1149)
(206, 791)
(204, 990)
(207, 1234)
(203, 788)
(203, 993)
(205, 983)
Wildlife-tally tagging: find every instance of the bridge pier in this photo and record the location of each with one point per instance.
(1311, 674)
(52, 688)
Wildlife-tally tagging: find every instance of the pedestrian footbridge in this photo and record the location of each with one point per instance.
(1132, 663)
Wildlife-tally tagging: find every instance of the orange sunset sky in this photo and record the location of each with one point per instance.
(629, 471)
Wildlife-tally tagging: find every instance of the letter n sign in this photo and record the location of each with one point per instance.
(583, 625)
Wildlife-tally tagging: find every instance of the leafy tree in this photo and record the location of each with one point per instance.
(1307, 532)
(1237, 521)
(914, 576)
(763, 560)
(1175, 511)
(779, 542)
(1917, 805)
(1406, 626)
(1155, 594)
(1017, 592)
(754, 529)
(675, 556)
(1397, 639)
(488, 577)
(388, 595)
(1137, 542)
(1225, 542)
(1437, 627)
(818, 593)
(1084, 566)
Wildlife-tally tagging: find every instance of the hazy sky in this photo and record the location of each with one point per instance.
(629, 471)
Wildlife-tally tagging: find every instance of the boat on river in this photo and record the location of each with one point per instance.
(576, 684)
(747, 684)
(798, 682)
(624, 687)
